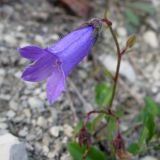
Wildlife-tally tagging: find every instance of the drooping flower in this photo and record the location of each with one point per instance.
(56, 62)
(84, 137)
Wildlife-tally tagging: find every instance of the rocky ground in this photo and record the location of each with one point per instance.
(24, 110)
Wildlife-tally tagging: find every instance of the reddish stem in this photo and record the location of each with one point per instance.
(109, 112)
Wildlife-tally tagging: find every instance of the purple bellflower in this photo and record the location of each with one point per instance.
(56, 62)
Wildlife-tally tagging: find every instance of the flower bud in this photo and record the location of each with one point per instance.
(84, 137)
(131, 41)
(119, 148)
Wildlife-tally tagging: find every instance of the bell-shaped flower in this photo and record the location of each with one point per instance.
(56, 62)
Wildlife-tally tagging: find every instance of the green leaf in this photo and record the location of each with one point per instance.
(157, 147)
(111, 127)
(130, 28)
(79, 126)
(150, 124)
(108, 73)
(103, 94)
(143, 136)
(145, 7)
(134, 148)
(131, 17)
(119, 113)
(150, 106)
(158, 110)
(96, 120)
(77, 151)
(147, 117)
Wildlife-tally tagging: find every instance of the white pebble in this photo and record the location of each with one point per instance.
(151, 39)
(55, 130)
(149, 158)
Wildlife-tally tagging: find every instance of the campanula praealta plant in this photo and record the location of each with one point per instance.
(54, 63)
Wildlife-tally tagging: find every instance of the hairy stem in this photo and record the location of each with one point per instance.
(119, 55)
(115, 80)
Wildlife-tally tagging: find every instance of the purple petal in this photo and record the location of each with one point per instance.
(69, 39)
(40, 69)
(55, 84)
(76, 51)
(31, 52)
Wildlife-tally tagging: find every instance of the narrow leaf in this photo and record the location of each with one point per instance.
(103, 94)
(134, 148)
(77, 151)
(145, 7)
(143, 136)
(132, 17)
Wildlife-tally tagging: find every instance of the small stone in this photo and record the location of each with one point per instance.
(126, 68)
(3, 119)
(51, 155)
(54, 114)
(123, 127)
(23, 132)
(157, 98)
(10, 40)
(57, 146)
(41, 122)
(5, 97)
(2, 72)
(29, 147)
(10, 114)
(37, 91)
(30, 137)
(55, 37)
(20, 28)
(38, 146)
(19, 118)
(46, 139)
(42, 95)
(149, 158)
(1, 80)
(36, 103)
(152, 23)
(41, 16)
(55, 130)
(151, 39)
(23, 44)
(3, 126)
(33, 122)
(45, 150)
(13, 105)
(65, 156)
(11, 148)
(82, 74)
(27, 112)
(65, 140)
(122, 31)
(39, 39)
(154, 89)
(18, 74)
(68, 130)
(155, 73)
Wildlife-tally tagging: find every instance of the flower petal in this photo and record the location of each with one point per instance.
(40, 69)
(31, 52)
(55, 84)
(77, 51)
(69, 39)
